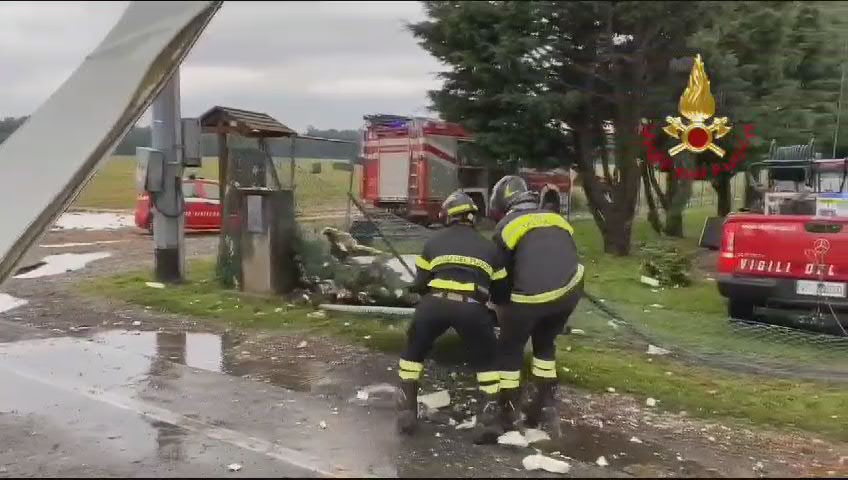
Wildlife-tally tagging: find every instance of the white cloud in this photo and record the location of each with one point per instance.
(319, 63)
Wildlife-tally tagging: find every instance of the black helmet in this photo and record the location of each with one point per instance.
(508, 193)
(550, 199)
(458, 206)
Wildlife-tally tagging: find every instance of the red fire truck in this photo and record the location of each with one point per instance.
(410, 165)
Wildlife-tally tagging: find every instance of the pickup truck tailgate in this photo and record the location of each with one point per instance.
(787, 246)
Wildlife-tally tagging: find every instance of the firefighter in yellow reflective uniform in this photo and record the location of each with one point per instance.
(457, 273)
(546, 283)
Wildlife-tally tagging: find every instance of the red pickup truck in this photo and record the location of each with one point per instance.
(795, 254)
(202, 207)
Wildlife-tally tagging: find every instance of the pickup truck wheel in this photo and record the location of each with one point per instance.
(741, 309)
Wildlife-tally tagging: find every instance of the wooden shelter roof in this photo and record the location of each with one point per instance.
(243, 122)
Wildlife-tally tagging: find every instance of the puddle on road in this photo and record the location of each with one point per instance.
(214, 353)
(8, 302)
(66, 262)
(93, 221)
(80, 244)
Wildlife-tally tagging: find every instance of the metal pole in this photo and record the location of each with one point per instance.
(839, 103)
(168, 217)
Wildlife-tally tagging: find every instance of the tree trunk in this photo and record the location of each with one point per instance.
(679, 192)
(617, 235)
(721, 185)
(653, 212)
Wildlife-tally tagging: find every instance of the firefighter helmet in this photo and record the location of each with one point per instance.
(458, 206)
(510, 192)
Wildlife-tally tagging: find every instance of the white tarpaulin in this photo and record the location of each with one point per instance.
(50, 158)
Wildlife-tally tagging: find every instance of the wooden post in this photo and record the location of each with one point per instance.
(223, 161)
(291, 153)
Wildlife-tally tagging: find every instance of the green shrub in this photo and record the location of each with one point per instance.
(665, 263)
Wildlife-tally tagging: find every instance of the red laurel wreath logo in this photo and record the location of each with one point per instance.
(663, 160)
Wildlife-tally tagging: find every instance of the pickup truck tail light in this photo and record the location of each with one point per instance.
(726, 258)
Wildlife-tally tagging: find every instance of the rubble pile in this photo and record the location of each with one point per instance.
(329, 272)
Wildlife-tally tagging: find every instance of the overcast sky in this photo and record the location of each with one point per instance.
(305, 63)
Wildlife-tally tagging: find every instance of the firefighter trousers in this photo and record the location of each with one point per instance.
(541, 323)
(472, 321)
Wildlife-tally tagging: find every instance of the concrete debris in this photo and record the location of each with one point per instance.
(136, 323)
(514, 438)
(362, 395)
(302, 344)
(155, 284)
(566, 369)
(318, 314)
(712, 439)
(656, 305)
(654, 350)
(758, 466)
(651, 402)
(613, 325)
(451, 422)
(367, 337)
(577, 331)
(635, 440)
(541, 462)
(322, 424)
(438, 434)
(436, 400)
(610, 389)
(534, 435)
(602, 462)
(468, 424)
(278, 310)
(649, 281)
(234, 467)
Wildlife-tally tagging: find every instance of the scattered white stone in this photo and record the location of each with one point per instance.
(155, 284)
(656, 305)
(541, 462)
(436, 400)
(438, 434)
(451, 422)
(322, 424)
(302, 344)
(654, 350)
(234, 467)
(566, 369)
(602, 462)
(367, 337)
(567, 349)
(649, 281)
(514, 438)
(468, 424)
(712, 439)
(318, 314)
(278, 310)
(613, 325)
(136, 323)
(347, 324)
(610, 389)
(635, 440)
(758, 466)
(362, 395)
(534, 435)
(651, 402)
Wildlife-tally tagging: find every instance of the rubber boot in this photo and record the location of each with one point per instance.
(488, 427)
(407, 407)
(542, 407)
(508, 406)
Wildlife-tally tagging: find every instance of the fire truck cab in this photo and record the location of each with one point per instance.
(410, 165)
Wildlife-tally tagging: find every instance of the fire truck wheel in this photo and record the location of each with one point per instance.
(740, 309)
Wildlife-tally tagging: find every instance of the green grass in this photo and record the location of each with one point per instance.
(113, 187)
